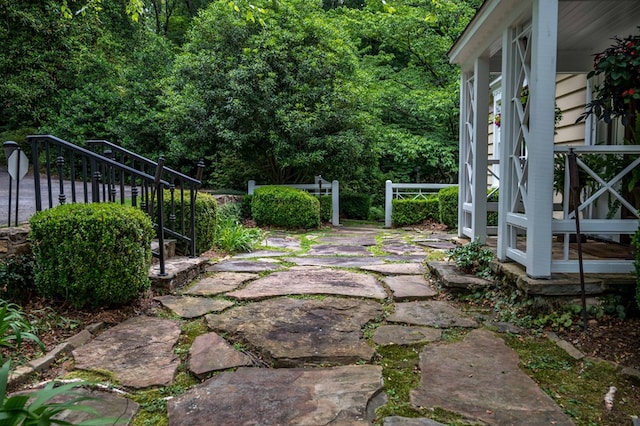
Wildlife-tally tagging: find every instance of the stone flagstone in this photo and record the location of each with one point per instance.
(404, 258)
(405, 335)
(106, 404)
(338, 262)
(312, 280)
(243, 265)
(292, 396)
(398, 247)
(410, 287)
(406, 421)
(479, 379)
(302, 332)
(193, 307)
(282, 242)
(335, 250)
(350, 240)
(396, 268)
(138, 351)
(261, 253)
(210, 352)
(431, 313)
(220, 283)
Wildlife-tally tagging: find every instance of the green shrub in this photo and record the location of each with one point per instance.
(206, 210)
(245, 206)
(472, 258)
(285, 207)
(326, 204)
(17, 282)
(636, 244)
(376, 214)
(231, 236)
(354, 205)
(448, 205)
(492, 217)
(92, 254)
(410, 212)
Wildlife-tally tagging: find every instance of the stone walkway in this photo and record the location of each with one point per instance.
(286, 342)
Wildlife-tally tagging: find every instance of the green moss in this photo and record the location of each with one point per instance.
(454, 334)
(94, 376)
(401, 374)
(577, 386)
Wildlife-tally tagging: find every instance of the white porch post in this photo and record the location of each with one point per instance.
(507, 178)
(540, 144)
(480, 141)
(464, 148)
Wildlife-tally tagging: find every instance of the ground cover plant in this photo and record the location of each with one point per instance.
(231, 236)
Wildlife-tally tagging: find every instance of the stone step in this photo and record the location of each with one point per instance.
(179, 271)
(169, 249)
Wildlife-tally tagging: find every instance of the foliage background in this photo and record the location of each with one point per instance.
(277, 91)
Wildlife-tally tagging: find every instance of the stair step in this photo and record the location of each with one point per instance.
(169, 249)
(179, 271)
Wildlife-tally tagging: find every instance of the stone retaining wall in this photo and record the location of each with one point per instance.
(13, 241)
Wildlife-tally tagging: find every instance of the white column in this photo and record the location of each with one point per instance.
(480, 140)
(508, 181)
(464, 147)
(388, 203)
(335, 203)
(541, 135)
(251, 187)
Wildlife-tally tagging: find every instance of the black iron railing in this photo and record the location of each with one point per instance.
(181, 223)
(74, 174)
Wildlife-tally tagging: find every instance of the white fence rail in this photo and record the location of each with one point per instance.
(407, 191)
(320, 187)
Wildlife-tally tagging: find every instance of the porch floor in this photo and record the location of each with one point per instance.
(564, 284)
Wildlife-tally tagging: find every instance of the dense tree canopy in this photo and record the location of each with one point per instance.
(274, 90)
(278, 95)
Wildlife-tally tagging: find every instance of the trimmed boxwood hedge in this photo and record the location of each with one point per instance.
(411, 212)
(448, 206)
(326, 203)
(448, 198)
(206, 216)
(492, 217)
(285, 207)
(355, 205)
(92, 254)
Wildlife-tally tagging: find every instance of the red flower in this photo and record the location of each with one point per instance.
(631, 92)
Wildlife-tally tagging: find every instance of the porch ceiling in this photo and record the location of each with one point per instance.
(585, 27)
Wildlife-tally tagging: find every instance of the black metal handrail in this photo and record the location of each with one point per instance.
(91, 177)
(177, 182)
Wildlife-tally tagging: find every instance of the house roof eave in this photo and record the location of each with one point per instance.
(485, 28)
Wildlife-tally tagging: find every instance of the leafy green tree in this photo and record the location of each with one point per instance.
(411, 89)
(277, 94)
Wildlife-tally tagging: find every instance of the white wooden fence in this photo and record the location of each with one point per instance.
(410, 191)
(320, 187)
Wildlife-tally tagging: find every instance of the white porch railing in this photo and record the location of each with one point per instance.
(600, 206)
(411, 191)
(320, 187)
